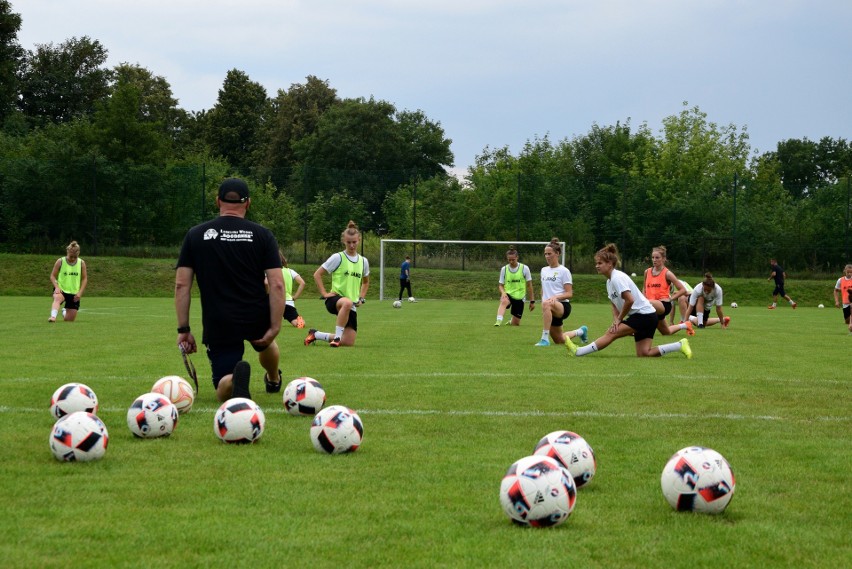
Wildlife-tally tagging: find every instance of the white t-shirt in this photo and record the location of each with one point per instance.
(711, 298)
(527, 274)
(553, 281)
(294, 275)
(334, 261)
(617, 283)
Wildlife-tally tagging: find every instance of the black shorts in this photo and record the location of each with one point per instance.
(644, 325)
(290, 313)
(847, 311)
(558, 321)
(667, 305)
(516, 307)
(223, 358)
(331, 306)
(70, 303)
(779, 290)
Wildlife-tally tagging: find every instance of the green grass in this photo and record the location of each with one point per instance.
(448, 403)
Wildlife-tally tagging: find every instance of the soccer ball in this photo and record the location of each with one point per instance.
(239, 420)
(178, 390)
(152, 415)
(73, 397)
(412, 299)
(397, 304)
(572, 452)
(537, 491)
(632, 274)
(734, 305)
(304, 396)
(821, 306)
(79, 436)
(337, 429)
(698, 479)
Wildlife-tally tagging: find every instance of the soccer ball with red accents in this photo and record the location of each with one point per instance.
(178, 390)
(537, 491)
(698, 479)
(337, 429)
(239, 420)
(79, 437)
(304, 396)
(152, 415)
(73, 397)
(572, 452)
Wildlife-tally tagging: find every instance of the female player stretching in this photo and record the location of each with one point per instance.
(632, 313)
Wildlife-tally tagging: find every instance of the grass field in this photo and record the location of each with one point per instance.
(448, 403)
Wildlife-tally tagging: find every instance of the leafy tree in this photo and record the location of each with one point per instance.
(64, 82)
(11, 54)
(295, 114)
(157, 104)
(236, 120)
(123, 130)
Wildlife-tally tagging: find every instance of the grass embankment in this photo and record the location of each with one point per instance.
(27, 275)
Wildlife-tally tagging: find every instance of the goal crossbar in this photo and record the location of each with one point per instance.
(447, 241)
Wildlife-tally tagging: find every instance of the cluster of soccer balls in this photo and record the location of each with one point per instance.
(398, 303)
(79, 435)
(540, 490)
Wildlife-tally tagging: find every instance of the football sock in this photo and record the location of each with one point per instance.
(338, 331)
(499, 319)
(583, 350)
(545, 335)
(53, 313)
(701, 319)
(669, 348)
(322, 336)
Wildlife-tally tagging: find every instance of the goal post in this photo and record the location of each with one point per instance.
(416, 242)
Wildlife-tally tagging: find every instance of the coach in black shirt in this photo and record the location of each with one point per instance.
(229, 258)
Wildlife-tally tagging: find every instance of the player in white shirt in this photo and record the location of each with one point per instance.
(705, 296)
(556, 291)
(632, 313)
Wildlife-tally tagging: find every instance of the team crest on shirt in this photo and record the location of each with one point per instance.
(210, 234)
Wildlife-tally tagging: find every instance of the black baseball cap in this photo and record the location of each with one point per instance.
(234, 190)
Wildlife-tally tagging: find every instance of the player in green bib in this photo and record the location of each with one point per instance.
(350, 279)
(69, 280)
(514, 284)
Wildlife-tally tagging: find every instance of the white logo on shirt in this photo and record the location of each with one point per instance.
(210, 234)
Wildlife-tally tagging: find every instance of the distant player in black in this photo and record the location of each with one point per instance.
(229, 258)
(780, 276)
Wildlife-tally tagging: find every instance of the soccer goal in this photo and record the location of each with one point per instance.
(401, 247)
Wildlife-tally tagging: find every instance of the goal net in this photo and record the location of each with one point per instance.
(453, 255)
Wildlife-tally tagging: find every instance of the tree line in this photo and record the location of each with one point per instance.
(104, 154)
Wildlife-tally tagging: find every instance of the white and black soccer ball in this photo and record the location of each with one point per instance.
(572, 452)
(397, 304)
(239, 420)
(79, 437)
(304, 396)
(537, 491)
(337, 429)
(412, 299)
(734, 305)
(73, 397)
(178, 390)
(152, 415)
(821, 305)
(698, 479)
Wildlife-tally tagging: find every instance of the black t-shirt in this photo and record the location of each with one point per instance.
(229, 256)
(779, 274)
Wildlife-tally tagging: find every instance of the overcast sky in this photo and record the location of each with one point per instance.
(498, 72)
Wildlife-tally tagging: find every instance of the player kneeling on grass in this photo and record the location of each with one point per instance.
(704, 297)
(633, 314)
(349, 283)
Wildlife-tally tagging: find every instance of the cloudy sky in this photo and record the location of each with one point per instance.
(498, 72)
